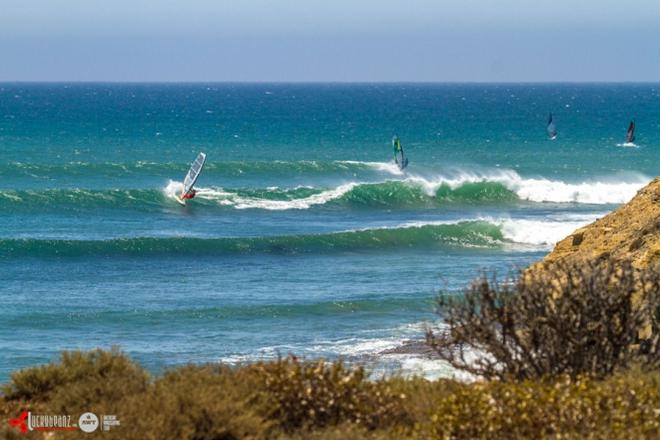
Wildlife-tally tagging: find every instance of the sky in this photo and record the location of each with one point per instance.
(330, 40)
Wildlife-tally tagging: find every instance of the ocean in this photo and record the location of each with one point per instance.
(304, 237)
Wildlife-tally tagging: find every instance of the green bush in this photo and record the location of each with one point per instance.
(196, 402)
(569, 319)
(317, 394)
(289, 398)
(622, 407)
(79, 380)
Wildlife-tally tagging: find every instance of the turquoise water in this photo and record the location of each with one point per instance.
(304, 236)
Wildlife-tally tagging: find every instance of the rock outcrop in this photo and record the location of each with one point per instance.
(630, 232)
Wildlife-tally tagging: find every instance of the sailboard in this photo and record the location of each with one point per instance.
(552, 128)
(192, 176)
(399, 158)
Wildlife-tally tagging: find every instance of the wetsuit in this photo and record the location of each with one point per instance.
(189, 195)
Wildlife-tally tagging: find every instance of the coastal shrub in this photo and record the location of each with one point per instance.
(570, 319)
(317, 394)
(79, 380)
(624, 406)
(196, 402)
(348, 431)
(265, 401)
(96, 380)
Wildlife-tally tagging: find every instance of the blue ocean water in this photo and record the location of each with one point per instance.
(304, 236)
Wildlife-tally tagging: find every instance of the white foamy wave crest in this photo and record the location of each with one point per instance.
(540, 232)
(598, 193)
(379, 356)
(544, 233)
(371, 349)
(240, 202)
(173, 189)
(10, 196)
(540, 190)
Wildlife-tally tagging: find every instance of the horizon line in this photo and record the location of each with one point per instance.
(275, 82)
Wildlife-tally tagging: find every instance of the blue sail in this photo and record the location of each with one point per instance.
(630, 134)
(552, 129)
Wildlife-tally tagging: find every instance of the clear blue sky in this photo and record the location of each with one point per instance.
(329, 40)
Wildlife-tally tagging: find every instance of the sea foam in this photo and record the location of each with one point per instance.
(541, 189)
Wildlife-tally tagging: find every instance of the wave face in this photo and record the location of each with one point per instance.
(420, 192)
(462, 234)
(539, 189)
(411, 192)
(484, 232)
(82, 199)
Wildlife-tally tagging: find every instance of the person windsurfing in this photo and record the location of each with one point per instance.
(399, 158)
(188, 192)
(189, 195)
(552, 128)
(630, 134)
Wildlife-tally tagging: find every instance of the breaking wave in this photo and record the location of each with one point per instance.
(409, 192)
(417, 191)
(485, 233)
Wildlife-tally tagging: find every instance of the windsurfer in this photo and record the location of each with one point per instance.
(190, 194)
(399, 158)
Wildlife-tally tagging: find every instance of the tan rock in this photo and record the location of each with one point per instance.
(630, 232)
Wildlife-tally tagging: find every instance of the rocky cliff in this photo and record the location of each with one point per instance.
(630, 232)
